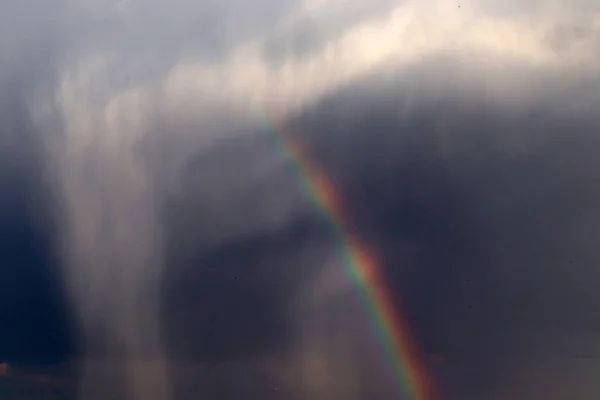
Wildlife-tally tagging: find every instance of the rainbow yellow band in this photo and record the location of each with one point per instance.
(363, 267)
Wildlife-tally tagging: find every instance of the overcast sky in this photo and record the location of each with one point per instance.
(462, 136)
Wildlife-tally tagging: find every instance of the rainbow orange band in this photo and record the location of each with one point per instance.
(362, 265)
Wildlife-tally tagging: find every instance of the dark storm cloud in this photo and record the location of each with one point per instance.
(474, 180)
(483, 208)
(33, 313)
(499, 200)
(40, 41)
(33, 316)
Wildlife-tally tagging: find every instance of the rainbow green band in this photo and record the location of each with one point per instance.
(362, 266)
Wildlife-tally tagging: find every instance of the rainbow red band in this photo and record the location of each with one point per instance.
(363, 267)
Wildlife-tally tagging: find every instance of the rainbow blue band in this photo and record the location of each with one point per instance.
(361, 264)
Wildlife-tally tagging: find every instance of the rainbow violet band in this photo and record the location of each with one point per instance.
(362, 266)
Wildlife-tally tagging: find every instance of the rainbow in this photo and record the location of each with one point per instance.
(363, 267)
